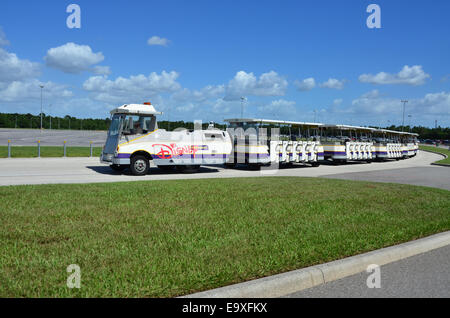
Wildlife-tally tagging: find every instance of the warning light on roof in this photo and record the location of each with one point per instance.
(147, 103)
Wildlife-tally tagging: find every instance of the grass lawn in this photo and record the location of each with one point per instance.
(445, 161)
(48, 151)
(169, 238)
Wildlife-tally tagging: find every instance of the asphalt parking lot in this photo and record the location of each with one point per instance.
(415, 170)
(51, 137)
(423, 275)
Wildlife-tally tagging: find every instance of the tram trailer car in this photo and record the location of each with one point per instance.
(410, 144)
(388, 144)
(258, 142)
(344, 143)
(134, 140)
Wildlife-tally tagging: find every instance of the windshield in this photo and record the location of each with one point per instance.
(115, 126)
(137, 125)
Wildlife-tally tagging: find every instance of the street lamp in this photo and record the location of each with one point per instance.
(243, 99)
(42, 87)
(50, 111)
(403, 121)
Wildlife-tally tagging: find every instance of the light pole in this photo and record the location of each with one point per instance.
(168, 119)
(315, 115)
(242, 106)
(409, 122)
(403, 121)
(42, 87)
(50, 112)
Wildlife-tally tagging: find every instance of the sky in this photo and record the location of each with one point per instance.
(195, 60)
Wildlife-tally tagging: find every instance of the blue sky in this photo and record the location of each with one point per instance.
(295, 60)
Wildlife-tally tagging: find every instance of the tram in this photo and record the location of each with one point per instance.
(259, 142)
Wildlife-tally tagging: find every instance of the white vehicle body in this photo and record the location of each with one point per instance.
(347, 143)
(392, 144)
(253, 145)
(134, 132)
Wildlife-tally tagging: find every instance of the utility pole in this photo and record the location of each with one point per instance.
(403, 121)
(42, 87)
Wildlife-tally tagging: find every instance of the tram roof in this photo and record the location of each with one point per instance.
(272, 121)
(396, 132)
(348, 127)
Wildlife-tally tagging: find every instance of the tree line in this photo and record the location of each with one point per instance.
(8, 120)
(30, 121)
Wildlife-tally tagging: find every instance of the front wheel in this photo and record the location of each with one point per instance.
(139, 165)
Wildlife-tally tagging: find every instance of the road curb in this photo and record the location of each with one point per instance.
(437, 153)
(286, 283)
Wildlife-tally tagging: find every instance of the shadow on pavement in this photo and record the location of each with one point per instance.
(153, 171)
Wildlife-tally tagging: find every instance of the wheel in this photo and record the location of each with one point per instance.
(315, 164)
(139, 165)
(118, 167)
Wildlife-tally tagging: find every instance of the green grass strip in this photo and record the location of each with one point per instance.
(445, 161)
(169, 238)
(48, 151)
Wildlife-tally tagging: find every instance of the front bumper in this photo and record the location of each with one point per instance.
(110, 159)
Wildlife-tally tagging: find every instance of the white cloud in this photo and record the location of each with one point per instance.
(156, 40)
(20, 91)
(333, 83)
(408, 75)
(73, 58)
(207, 92)
(279, 107)
(306, 84)
(101, 70)
(3, 40)
(371, 95)
(133, 89)
(337, 101)
(186, 108)
(12, 68)
(246, 84)
(375, 109)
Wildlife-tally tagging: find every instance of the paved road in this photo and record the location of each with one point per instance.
(432, 176)
(89, 170)
(424, 275)
(51, 137)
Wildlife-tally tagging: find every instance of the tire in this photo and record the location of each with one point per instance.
(119, 168)
(315, 164)
(139, 165)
